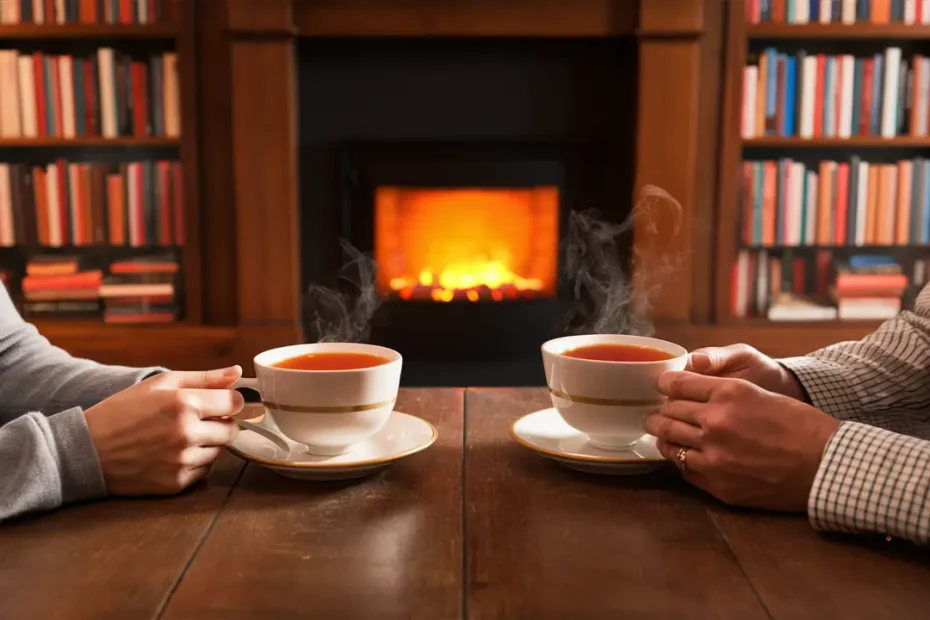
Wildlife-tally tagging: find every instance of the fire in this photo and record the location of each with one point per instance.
(468, 244)
(471, 280)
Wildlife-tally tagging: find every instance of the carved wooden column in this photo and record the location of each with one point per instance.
(676, 146)
(264, 117)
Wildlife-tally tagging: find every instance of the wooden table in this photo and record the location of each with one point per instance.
(475, 527)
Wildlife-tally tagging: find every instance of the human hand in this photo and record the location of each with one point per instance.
(744, 445)
(162, 434)
(741, 361)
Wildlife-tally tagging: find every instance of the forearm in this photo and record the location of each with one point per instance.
(871, 480)
(883, 375)
(39, 376)
(46, 462)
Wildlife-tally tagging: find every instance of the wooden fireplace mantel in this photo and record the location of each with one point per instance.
(249, 134)
(679, 48)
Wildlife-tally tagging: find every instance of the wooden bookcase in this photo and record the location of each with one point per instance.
(785, 338)
(137, 343)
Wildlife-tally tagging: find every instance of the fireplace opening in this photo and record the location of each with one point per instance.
(455, 163)
(466, 244)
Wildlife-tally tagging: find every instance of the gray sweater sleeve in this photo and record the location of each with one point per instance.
(45, 459)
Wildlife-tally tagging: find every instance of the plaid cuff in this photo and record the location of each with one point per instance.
(827, 385)
(873, 480)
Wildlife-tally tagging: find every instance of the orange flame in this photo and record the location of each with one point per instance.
(468, 244)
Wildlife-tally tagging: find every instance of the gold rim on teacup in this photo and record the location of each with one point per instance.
(335, 409)
(350, 465)
(565, 456)
(610, 402)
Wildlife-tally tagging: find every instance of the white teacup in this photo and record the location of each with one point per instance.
(328, 410)
(607, 401)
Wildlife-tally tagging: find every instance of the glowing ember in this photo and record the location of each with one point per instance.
(474, 281)
(468, 244)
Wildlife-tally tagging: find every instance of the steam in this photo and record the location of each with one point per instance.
(608, 300)
(332, 315)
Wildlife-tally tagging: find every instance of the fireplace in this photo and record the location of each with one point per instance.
(474, 244)
(455, 164)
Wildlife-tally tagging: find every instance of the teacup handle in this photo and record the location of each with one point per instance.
(254, 408)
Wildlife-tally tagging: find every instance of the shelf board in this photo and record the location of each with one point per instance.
(851, 142)
(96, 141)
(874, 247)
(88, 31)
(837, 31)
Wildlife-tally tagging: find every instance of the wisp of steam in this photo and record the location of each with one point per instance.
(607, 298)
(331, 315)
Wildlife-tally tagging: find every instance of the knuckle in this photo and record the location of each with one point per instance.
(185, 433)
(744, 348)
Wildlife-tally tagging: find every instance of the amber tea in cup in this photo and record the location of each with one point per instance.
(331, 361)
(605, 385)
(618, 353)
(329, 396)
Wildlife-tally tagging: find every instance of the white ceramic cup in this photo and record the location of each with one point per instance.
(328, 410)
(607, 401)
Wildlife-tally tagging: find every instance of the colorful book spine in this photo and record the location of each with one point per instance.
(908, 12)
(785, 203)
(81, 204)
(88, 11)
(835, 96)
(106, 94)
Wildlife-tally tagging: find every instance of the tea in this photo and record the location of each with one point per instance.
(331, 361)
(618, 353)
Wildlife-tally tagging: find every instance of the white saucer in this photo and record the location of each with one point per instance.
(547, 434)
(402, 436)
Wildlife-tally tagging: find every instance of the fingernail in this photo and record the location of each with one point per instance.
(700, 360)
(231, 371)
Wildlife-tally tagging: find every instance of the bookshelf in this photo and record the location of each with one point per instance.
(743, 43)
(144, 133)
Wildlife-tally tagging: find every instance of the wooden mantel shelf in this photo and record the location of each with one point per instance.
(412, 18)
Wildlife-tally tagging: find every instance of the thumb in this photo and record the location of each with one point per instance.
(204, 379)
(706, 361)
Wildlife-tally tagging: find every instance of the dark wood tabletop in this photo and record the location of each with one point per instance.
(474, 527)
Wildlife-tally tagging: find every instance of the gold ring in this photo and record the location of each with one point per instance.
(682, 458)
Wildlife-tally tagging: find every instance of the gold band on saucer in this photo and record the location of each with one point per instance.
(345, 409)
(586, 400)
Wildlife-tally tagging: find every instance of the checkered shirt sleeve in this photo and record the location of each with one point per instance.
(875, 472)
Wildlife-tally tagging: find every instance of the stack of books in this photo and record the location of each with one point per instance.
(140, 290)
(56, 286)
(869, 288)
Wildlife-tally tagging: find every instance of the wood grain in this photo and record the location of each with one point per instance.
(118, 558)
(265, 163)
(729, 159)
(799, 573)
(839, 31)
(385, 547)
(546, 542)
(475, 18)
(666, 156)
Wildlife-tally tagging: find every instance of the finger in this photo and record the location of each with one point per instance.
(718, 360)
(670, 430)
(190, 476)
(694, 458)
(199, 456)
(202, 379)
(687, 385)
(685, 410)
(213, 432)
(705, 361)
(214, 403)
